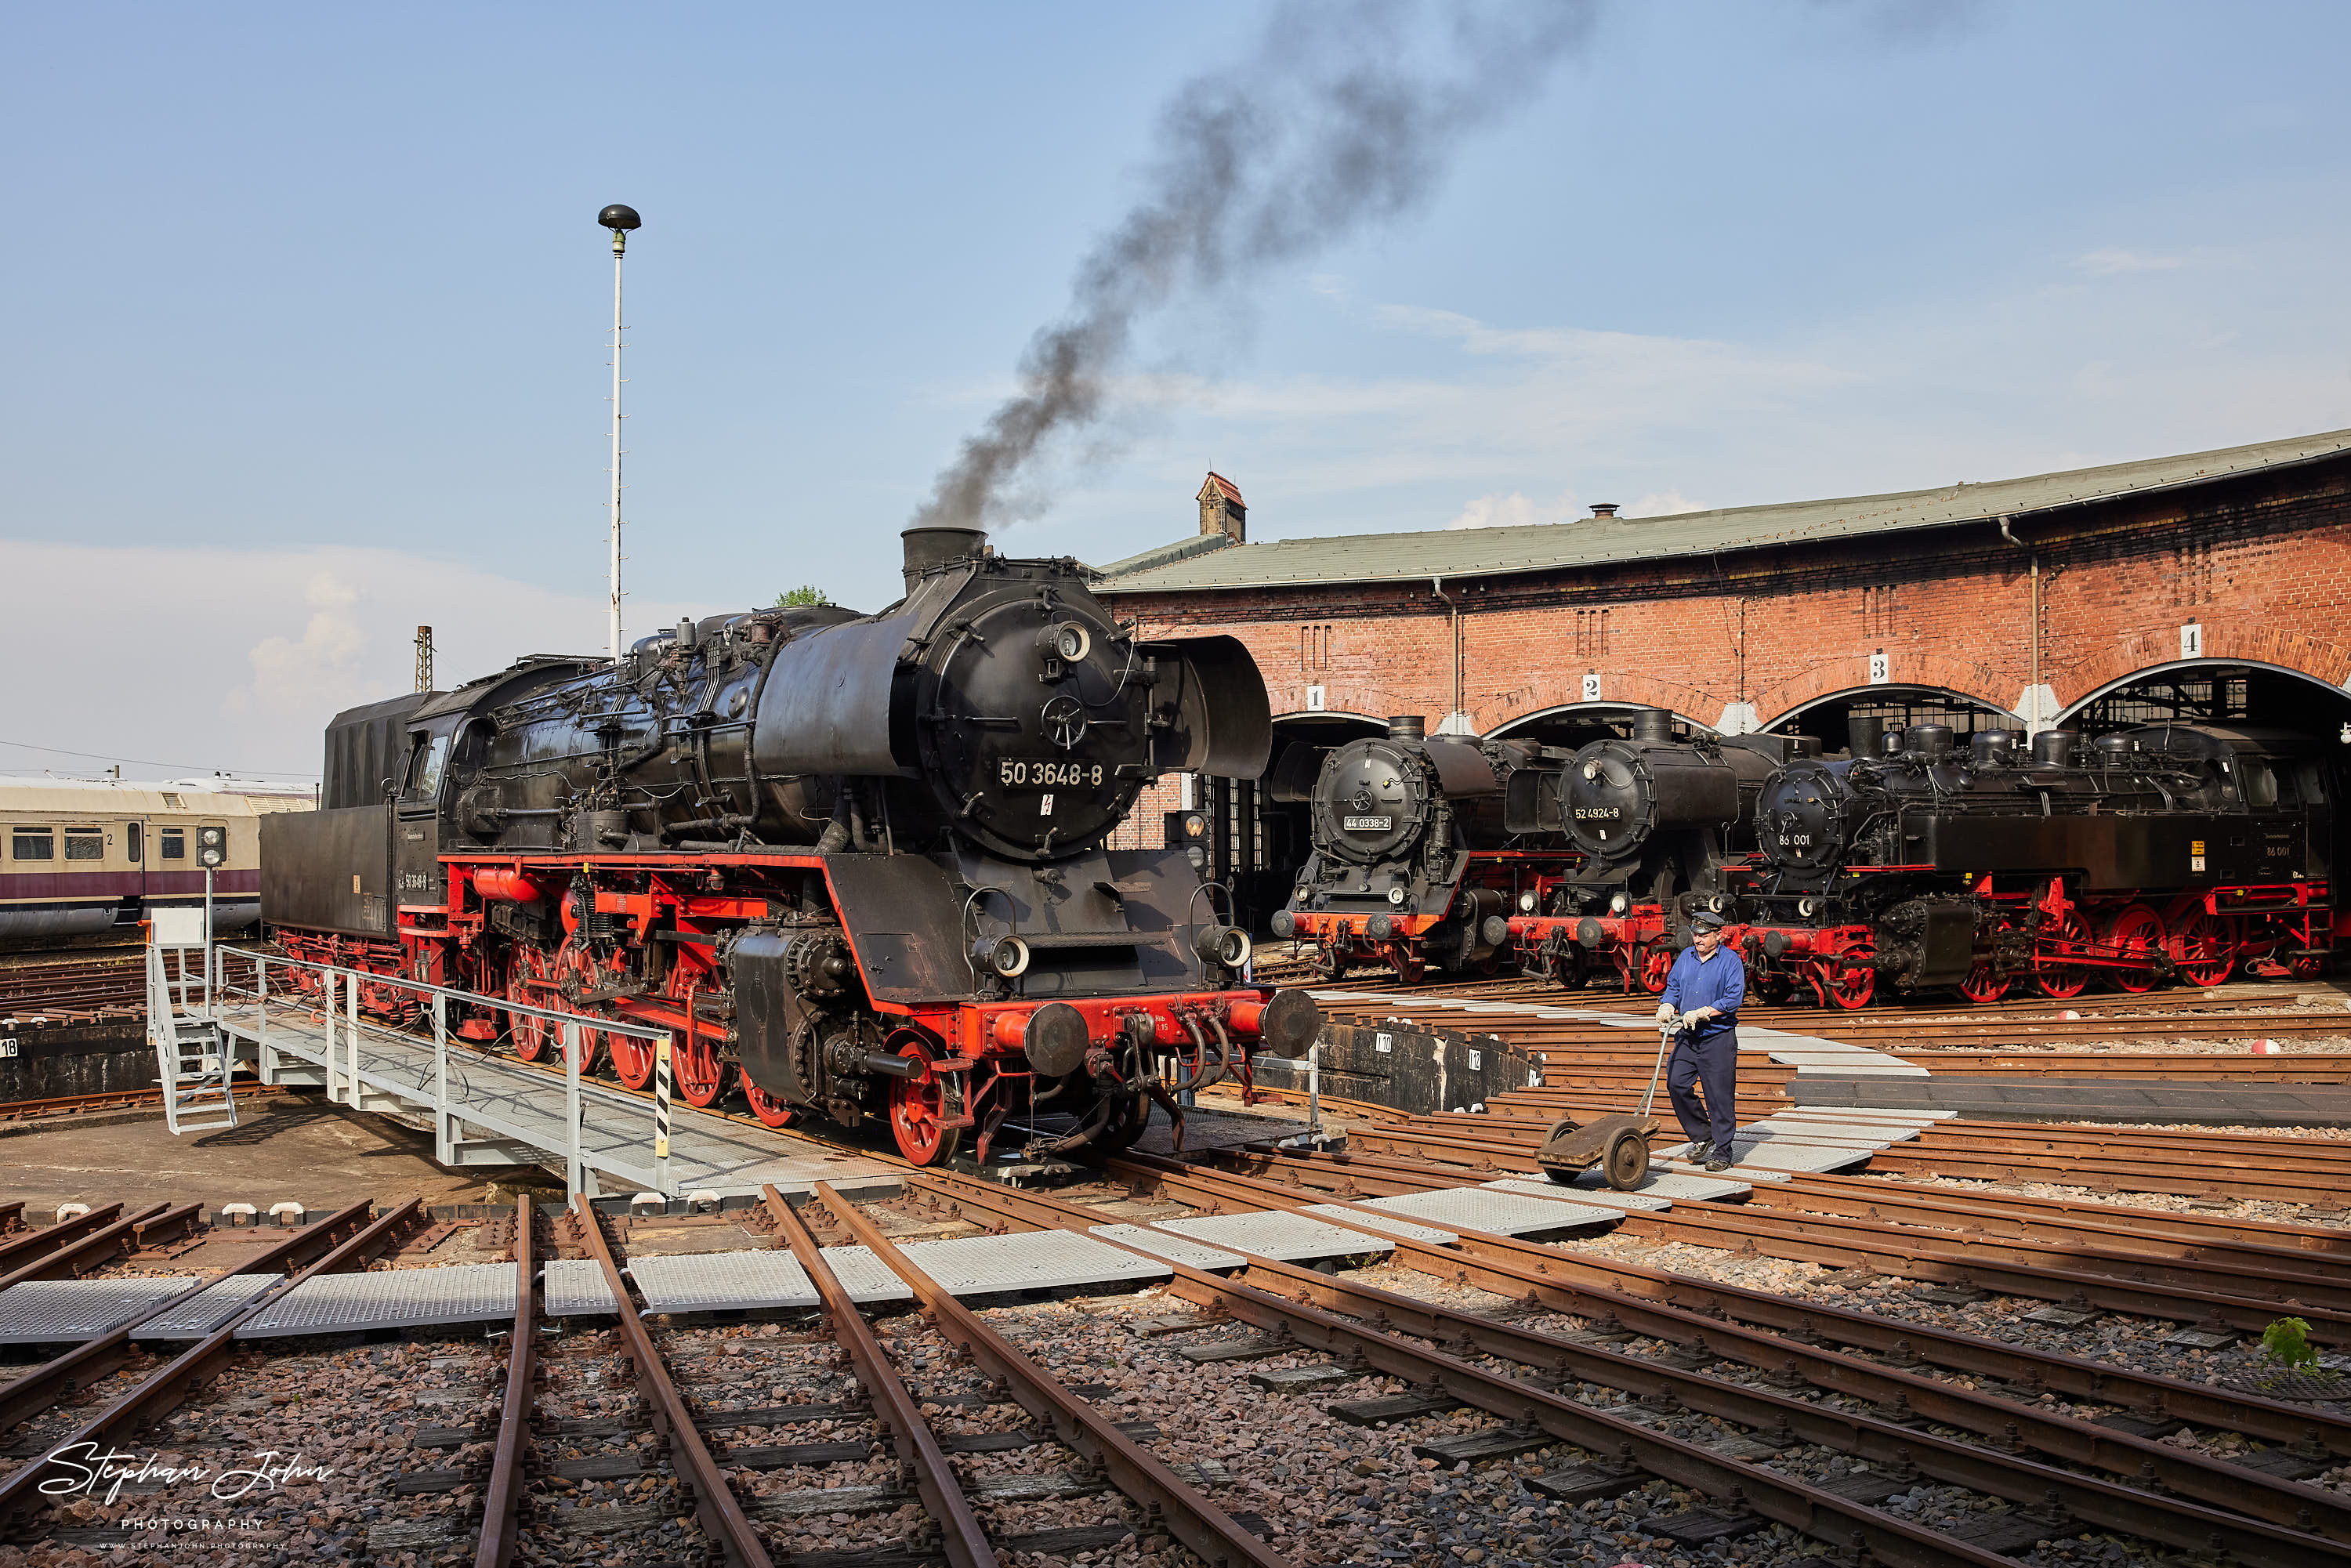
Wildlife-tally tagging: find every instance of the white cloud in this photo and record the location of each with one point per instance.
(243, 655)
(2107, 263)
(1516, 510)
(1662, 504)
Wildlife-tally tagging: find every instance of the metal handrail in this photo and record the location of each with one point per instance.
(354, 1027)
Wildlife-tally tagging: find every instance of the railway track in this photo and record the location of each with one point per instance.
(1439, 1395)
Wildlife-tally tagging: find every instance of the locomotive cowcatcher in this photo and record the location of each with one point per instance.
(858, 861)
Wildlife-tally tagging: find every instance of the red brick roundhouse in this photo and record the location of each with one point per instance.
(2209, 586)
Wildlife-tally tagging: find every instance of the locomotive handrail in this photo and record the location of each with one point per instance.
(570, 1024)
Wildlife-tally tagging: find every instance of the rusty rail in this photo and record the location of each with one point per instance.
(963, 1540)
(698, 1474)
(195, 1366)
(1187, 1515)
(501, 1505)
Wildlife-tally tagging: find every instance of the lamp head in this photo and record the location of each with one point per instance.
(619, 218)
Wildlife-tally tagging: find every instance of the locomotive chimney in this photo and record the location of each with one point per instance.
(1409, 727)
(1928, 739)
(2055, 747)
(1604, 508)
(1864, 733)
(1222, 511)
(1653, 724)
(929, 548)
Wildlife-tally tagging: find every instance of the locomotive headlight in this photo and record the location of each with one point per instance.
(1225, 945)
(1067, 642)
(1396, 895)
(1304, 893)
(1525, 903)
(1592, 770)
(1195, 825)
(1806, 907)
(1718, 904)
(1005, 955)
(1619, 905)
(212, 847)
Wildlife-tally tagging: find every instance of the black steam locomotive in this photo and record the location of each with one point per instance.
(1661, 827)
(2171, 850)
(858, 858)
(1415, 863)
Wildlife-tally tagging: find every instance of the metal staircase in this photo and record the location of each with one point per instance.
(190, 1061)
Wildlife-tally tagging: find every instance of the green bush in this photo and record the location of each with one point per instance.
(806, 593)
(2287, 1343)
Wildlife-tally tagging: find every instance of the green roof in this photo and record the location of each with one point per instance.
(1598, 542)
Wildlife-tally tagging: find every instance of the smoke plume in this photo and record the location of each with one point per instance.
(1343, 119)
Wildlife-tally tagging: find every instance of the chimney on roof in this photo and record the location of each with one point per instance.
(1222, 511)
(1604, 508)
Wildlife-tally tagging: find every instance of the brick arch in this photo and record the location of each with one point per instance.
(1551, 691)
(1968, 678)
(2328, 663)
(1604, 706)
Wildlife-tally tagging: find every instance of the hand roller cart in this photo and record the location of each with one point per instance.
(1617, 1143)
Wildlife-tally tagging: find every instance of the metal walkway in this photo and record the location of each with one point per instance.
(486, 1109)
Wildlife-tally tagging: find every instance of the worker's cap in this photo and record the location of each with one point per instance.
(1705, 920)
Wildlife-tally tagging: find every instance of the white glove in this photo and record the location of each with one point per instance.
(1697, 1014)
(1664, 1012)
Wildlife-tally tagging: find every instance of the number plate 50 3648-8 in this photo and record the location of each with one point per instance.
(1044, 773)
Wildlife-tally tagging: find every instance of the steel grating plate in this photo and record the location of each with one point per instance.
(1500, 1213)
(1175, 1248)
(1283, 1236)
(1762, 1154)
(761, 1280)
(1410, 1229)
(1028, 1261)
(575, 1288)
(1682, 1187)
(866, 1277)
(203, 1312)
(394, 1299)
(1604, 1194)
(1879, 1133)
(1872, 1113)
(1888, 1068)
(45, 1312)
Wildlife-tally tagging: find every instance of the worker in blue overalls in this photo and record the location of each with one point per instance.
(1703, 992)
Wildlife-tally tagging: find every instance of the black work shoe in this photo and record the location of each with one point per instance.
(1719, 1163)
(1699, 1150)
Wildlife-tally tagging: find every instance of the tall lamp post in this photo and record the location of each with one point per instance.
(622, 220)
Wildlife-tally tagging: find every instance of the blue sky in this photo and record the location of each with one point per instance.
(308, 304)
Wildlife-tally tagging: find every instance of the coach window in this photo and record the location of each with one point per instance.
(2258, 784)
(81, 844)
(131, 842)
(424, 772)
(33, 844)
(175, 846)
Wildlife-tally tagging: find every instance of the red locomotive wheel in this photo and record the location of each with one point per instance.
(771, 1111)
(2055, 977)
(919, 1111)
(2306, 966)
(532, 982)
(2136, 932)
(1657, 965)
(1850, 988)
(2204, 948)
(701, 1077)
(576, 962)
(1984, 984)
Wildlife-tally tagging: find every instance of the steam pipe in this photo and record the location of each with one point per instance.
(2033, 723)
(1436, 586)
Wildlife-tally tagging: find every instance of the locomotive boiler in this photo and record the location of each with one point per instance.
(2168, 850)
(1413, 862)
(858, 863)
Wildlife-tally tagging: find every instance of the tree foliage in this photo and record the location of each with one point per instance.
(806, 593)
(2287, 1342)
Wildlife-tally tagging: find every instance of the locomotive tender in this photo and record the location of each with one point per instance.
(858, 858)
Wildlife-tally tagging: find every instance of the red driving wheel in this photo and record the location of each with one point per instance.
(694, 1061)
(920, 1109)
(1657, 965)
(771, 1111)
(1984, 983)
(1850, 988)
(2055, 977)
(2136, 932)
(530, 981)
(2203, 948)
